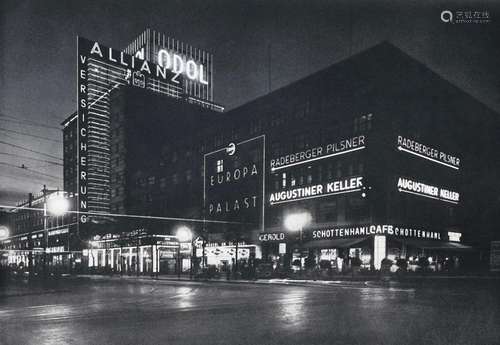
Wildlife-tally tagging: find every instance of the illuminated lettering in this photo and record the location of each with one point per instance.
(96, 49)
(181, 65)
(317, 153)
(422, 189)
(423, 151)
(330, 188)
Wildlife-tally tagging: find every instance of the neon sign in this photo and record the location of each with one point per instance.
(454, 236)
(420, 150)
(234, 182)
(320, 152)
(374, 229)
(316, 191)
(421, 189)
(179, 64)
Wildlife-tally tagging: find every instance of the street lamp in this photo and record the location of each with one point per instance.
(183, 234)
(296, 222)
(57, 205)
(4, 232)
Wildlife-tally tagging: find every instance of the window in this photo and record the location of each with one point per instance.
(151, 180)
(220, 165)
(283, 180)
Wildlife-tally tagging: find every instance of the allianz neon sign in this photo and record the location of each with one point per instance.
(349, 185)
(179, 64)
(426, 152)
(425, 190)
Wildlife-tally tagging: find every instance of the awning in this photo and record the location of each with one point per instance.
(423, 244)
(335, 243)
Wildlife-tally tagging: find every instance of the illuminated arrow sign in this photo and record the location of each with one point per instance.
(428, 191)
(417, 149)
(350, 185)
(320, 152)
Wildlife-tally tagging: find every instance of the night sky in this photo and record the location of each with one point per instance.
(38, 56)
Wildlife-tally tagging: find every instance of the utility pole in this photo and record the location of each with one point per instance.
(30, 239)
(45, 231)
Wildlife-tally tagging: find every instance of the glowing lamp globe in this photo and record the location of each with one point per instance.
(57, 205)
(297, 221)
(4, 232)
(184, 234)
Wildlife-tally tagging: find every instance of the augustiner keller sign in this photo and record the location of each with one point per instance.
(234, 182)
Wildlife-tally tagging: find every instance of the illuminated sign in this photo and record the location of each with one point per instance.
(94, 50)
(82, 130)
(421, 189)
(272, 236)
(234, 182)
(454, 236)
(420, 150)
(320, 152)
(193, 65)
(348, 185)
(180, 64)
(100, 71)
(367, 230)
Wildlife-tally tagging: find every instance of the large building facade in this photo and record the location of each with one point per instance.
(378, 155)
(385, 157)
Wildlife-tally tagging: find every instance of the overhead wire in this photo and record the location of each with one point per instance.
(30, 135)
(24, 168)
(31, 158)
(14, 119)
(30, 150)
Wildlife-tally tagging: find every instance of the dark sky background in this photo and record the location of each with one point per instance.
(38, 56)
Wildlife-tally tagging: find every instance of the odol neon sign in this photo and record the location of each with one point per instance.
(179, 65)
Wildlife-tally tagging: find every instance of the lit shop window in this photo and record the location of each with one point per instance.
(220, 165)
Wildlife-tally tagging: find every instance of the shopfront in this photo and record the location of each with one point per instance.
(365, 246)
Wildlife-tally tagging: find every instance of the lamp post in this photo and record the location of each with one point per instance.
(296, 222)
(183, 234)
(57, 205)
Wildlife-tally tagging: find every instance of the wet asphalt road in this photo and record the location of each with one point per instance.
(157, 312)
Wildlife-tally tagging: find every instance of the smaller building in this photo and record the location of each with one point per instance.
(32, 230)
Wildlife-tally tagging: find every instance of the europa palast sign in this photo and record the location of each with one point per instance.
(331, 188)
(233, 188)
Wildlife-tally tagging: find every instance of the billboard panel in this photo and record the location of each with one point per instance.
(234, 183)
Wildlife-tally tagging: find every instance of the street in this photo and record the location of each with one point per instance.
(128, 311)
